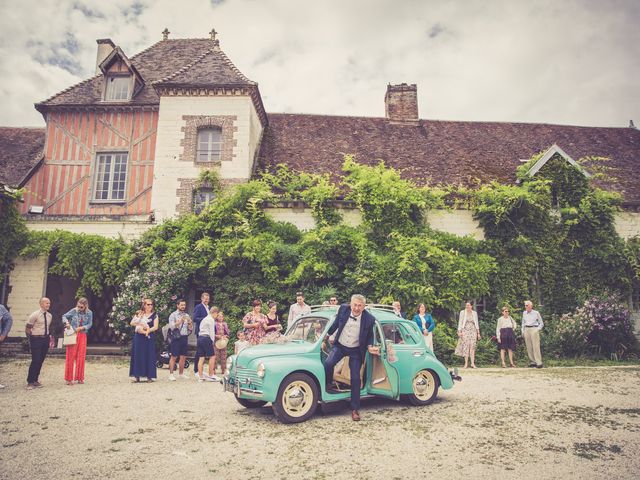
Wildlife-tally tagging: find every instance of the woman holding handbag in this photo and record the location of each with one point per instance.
(77, 322)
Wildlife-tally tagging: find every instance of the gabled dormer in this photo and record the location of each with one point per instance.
(122, 81)
(555, 151)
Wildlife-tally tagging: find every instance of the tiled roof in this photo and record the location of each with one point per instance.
(212, 68)
(444, 152)
(20, 151)
(158, 62)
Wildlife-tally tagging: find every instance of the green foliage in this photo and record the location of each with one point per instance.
(14, 234)
(318, 191)
(386, 201)
(95, 261)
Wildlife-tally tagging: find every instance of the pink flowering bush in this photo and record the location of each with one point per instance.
(162, 282)
(611, 334)
(601, 325)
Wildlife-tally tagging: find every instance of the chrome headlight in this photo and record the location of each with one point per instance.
(229, 363)
(261, 370)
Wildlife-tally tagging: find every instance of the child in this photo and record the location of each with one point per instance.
(222, 338)
(241, 343)
(143, 327)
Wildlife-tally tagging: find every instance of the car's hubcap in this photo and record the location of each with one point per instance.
(297, 398)
(423, 385)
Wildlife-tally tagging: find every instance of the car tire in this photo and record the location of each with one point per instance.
(425, 386)
(159, 364)
(186, 364)
(246, 403)
(297, 398)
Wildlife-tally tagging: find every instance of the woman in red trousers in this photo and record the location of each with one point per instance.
(81, 320)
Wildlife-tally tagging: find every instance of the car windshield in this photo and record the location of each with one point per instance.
(308, 329)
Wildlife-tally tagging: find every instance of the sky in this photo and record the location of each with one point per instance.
(574, 62)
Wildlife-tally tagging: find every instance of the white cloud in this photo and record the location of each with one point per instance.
(570, 62)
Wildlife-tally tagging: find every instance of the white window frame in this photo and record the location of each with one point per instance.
(208, 149)
(114, 88)
(115, 159)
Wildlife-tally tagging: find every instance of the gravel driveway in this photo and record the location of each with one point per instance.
(514, 423)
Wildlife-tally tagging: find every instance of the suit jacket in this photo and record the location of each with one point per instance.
(366, 327)
(199, 313)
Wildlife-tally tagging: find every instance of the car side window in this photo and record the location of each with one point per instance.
(397, 334)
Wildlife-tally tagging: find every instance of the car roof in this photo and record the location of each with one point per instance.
(382, 313)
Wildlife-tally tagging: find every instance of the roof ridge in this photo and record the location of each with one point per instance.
(232, 66)
(183, 69)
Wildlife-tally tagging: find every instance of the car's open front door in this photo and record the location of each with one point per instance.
(382, 375)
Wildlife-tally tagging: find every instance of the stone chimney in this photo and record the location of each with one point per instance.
(401, 104)
(105, 47)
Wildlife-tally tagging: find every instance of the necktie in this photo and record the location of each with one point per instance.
(46, 330)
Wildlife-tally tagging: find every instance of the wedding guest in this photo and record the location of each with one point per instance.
(397, 309)
(222, 340)
(254, 324)
(241, 343)
(80, 320)
(6, 322)
(468, 334)
(180, 326)
(532, 324)
(298, 309)
(37, 330)
(199, 312)
(505, 334)
(206, 338)
(333, 301)
(143, 346)
(426, 324)
(273, 328)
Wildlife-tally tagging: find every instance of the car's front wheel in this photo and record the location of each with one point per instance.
(246, 403)
(425, 388)
(297, 398)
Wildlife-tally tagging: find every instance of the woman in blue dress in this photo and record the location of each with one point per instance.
(143, 346)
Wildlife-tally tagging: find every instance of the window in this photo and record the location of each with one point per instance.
(209, 145)
(397, 333)
(201, 198)
(111, 176)
(118, 88)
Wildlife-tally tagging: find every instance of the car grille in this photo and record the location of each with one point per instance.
(248, 379)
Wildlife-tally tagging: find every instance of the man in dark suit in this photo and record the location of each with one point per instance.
(199, 312)
(397, 309)
(353, 327)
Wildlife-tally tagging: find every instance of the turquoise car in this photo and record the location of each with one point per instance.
(291, 374)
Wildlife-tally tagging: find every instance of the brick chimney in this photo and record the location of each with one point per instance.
(401, 104)
(105, 47)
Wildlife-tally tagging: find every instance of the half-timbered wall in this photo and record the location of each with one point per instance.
(64, 183)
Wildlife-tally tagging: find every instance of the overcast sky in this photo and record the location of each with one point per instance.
(551, 61)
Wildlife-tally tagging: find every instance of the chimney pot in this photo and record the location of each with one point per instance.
(105, 47)
(401, 104)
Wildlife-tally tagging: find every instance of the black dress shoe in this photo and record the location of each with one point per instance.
(355, 415)
(539, 366)
(532, 365)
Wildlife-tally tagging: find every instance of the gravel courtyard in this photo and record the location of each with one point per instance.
(522, 423)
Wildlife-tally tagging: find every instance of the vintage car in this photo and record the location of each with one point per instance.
(291, 375)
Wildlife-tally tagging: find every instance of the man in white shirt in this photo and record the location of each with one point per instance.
(531, 325)
(353, 327)
(298, 309)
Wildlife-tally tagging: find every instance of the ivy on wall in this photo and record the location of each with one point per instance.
(550, 238)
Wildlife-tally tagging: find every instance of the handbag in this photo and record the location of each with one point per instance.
(68, 340)
(174, 334)
(221, 343)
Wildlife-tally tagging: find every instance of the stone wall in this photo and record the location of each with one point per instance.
(27, 285)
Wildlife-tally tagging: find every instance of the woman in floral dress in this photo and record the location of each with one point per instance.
(254, 324)
(468, 335)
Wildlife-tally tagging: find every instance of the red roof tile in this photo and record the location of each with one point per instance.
(443, 152)
(20, 151)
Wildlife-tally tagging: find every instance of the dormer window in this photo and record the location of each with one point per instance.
(118, 88)
(209, 145)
